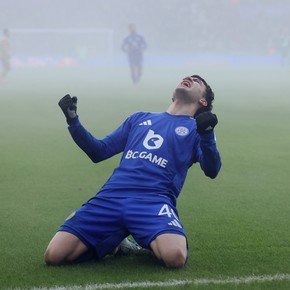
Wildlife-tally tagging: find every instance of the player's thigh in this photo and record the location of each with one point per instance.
(64, 247)
(148, 219)
(98, 224)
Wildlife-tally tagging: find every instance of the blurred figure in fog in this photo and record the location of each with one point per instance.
(134, 45)
(4, 54)
(284, 48)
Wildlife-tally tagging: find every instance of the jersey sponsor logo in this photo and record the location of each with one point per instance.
(147, 156)
(181, 131)
(146, 123)
(152, 140)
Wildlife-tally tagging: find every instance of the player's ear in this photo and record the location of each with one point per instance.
(203, 102)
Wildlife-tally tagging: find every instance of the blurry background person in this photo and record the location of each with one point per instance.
(4, 53)
(284, 48)
(134, 45)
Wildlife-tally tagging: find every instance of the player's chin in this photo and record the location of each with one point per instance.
(181, 90)
(183, 94)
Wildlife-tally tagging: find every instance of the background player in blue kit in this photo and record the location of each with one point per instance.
(5, 54)
(139, 199)
(134, 45)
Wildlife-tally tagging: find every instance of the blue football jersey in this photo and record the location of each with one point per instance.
(134, 44)
(158, 149)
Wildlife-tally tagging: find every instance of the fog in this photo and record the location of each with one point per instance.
(90, 32)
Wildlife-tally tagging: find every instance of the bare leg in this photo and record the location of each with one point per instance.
(139, 72)
(171, 249)
(133, 73)
(64, 248)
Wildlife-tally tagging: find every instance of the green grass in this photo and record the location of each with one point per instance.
(237, 225)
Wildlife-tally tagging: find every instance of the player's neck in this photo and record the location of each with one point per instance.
(180, 108)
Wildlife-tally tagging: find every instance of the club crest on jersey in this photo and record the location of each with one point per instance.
(181, 131)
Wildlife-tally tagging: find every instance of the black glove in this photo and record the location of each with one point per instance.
(68, 105)
(205, 122)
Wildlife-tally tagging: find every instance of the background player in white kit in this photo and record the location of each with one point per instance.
(139, 199)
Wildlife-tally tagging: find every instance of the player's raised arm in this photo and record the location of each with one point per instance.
(208, 155)
(97, 150)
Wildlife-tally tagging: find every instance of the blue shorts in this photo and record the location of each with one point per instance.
(102, 223)
(135, 59)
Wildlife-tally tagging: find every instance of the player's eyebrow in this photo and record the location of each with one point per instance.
(202, 81)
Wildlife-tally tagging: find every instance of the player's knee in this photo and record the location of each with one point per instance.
(53, 257)
(174, 258)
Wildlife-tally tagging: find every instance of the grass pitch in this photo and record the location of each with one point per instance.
(237, 225)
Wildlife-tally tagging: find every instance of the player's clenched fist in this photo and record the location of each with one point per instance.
(68, 105)
(205, 122)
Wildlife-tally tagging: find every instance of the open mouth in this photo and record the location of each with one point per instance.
(186, 83)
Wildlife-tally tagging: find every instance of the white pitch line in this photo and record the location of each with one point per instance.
(172, 283)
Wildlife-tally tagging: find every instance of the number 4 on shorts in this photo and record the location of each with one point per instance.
(165, 210)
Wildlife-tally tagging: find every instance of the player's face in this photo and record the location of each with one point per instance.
(192, 88)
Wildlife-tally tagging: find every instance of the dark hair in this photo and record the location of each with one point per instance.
(209, 96)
